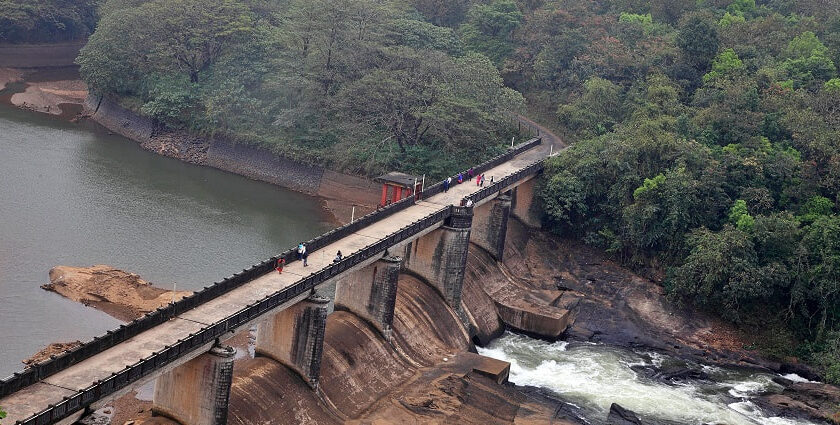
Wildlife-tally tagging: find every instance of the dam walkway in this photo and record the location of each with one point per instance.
(62, 388)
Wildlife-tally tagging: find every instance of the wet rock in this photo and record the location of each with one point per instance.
(681, 374)
(805, 399)
(621, 416)
(782, 381)
(800, 369)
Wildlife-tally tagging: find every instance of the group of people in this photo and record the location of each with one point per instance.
(479, 180)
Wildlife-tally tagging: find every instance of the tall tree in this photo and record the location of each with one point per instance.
(489, 28)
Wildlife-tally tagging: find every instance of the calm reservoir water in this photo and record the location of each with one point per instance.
(74, 195)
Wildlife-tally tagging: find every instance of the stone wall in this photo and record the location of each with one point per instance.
(53, 55)
(260, 164)
(114, 117)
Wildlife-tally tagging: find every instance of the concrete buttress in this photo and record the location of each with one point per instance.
(489, 226)
(440, 257)
(197, 392)
(526, 204)
(371, 293)
(295, 337)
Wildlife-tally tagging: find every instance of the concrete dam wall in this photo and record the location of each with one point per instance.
(358, 367)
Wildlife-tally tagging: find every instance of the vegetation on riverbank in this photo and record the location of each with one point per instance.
(40, 21)
(706, 144)
(358, 85)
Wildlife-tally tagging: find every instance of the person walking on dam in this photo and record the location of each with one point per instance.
(300, 251)
(446, 184)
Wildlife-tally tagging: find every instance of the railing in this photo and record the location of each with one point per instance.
(533, 168)
(208, 334)
(111, 338)
(40, 371)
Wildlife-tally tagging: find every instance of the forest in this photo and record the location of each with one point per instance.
(705, 134)
(706, 152)
(364, 86)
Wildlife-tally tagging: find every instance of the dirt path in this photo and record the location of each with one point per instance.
(549, 138)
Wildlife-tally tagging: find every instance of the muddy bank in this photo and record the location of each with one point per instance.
(60, 98)
(122, 295)
(54, 91)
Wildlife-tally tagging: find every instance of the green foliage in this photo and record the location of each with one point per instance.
(740, 217)
(489, 28)
(360, 85)
(648, 185)
(741, 7)
(827, 356)
(719, 272)
(816, 207)
(719, 161)
(730, 19)
(698, 39)
(596, 111)
(832, 86)
(645, 22)
(727, 63)
(35, 21)
(808, 60)
(2, 413)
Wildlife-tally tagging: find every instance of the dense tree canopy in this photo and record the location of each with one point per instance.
(47, 20)
(362, 85)
(705, 149)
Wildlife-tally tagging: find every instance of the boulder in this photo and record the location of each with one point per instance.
(680, 374)
(621, 416)
(805, 399)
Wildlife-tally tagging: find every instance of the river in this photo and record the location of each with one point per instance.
(590, 377)
(71, 194)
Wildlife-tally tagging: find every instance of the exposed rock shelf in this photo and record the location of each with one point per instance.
(121, 294)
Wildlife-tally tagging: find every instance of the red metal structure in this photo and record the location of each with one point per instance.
(397, 186)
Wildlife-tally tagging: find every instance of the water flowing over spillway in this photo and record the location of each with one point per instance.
(590, 377)
(75, 195)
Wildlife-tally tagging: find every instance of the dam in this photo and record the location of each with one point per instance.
(183, 345)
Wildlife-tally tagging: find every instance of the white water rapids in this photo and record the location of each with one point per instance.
(591, 377)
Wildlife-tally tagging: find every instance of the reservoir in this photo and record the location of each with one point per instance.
(71, 194)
